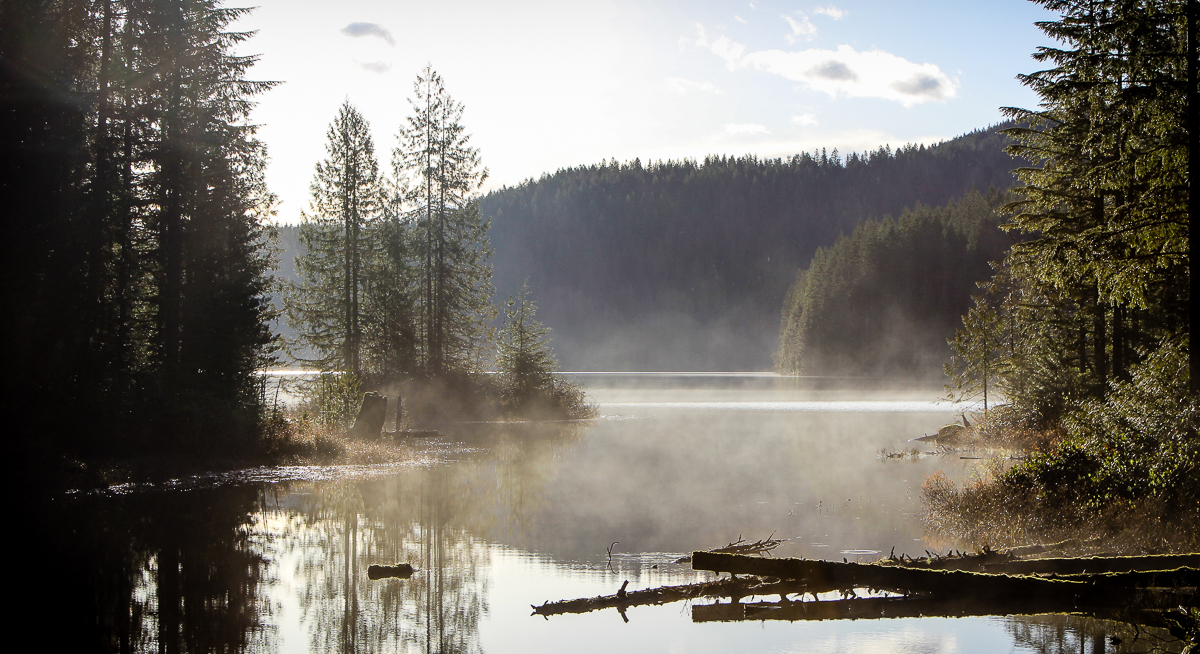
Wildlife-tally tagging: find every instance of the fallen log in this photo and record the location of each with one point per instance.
(1006, 563)
(1066, 592)
(742, 587)
(1092, 565)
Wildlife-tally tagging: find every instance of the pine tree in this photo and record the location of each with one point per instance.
(441, 175)
(326, 306)
(523, 357)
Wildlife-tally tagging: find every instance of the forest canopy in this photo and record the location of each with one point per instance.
(683, 265)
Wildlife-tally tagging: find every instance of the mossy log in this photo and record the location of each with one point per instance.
(1006, 563)
(1097, 564)
(1102, 589)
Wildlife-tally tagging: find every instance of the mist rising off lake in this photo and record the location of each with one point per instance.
(498, 517)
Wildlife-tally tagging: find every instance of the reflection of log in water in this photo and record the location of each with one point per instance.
(918, 607)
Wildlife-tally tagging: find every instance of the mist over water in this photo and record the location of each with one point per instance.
(499, 517)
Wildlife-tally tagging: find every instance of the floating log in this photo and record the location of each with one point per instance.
(742, 587)
(1066, 592)
(398, 571)
(417, 433)
(1096, 564)
(1006, 563)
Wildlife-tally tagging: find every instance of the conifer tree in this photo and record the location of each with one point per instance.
(326, 306)
(1106, 198)
(441, 175)
(523, 356)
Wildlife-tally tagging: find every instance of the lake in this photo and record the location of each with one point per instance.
(499, 517)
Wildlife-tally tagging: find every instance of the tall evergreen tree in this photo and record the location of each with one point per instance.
(1107, 199)
(326, 305)
(441, 175)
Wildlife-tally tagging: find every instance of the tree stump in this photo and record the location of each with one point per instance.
(369, 423)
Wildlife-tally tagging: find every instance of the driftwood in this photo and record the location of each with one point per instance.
(413, 433)
(740, 546)
(398, 571)
(1094, 565)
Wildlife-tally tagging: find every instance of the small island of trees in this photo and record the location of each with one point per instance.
(394, 283)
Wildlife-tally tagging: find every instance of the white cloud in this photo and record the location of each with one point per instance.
(681, 85)
(802, 27)
(842, 72)
(805, 119)
(357, 30)
(831, 11)
(740, 19)
(377, 67)
(745, 129)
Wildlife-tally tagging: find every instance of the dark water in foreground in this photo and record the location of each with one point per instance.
(499, 517)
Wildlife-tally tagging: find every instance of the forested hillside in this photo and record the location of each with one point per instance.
(883, 300)
(684, 265)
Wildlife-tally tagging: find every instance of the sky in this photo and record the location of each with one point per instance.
(556, 84)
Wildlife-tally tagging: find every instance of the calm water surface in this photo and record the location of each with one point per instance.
(497, 518)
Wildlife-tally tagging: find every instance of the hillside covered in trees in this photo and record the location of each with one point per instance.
(683, 265)
(883, 300)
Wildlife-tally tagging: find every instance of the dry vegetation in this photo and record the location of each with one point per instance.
(296, 437)
(1055, 487)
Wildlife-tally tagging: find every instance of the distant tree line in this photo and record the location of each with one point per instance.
(705, 243)
(135, 266)
(883, 300)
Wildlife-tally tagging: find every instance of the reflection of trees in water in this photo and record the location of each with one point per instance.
(433, 518)
(346, 527)
(185, 572)
(172, 572)
(1076, 634)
